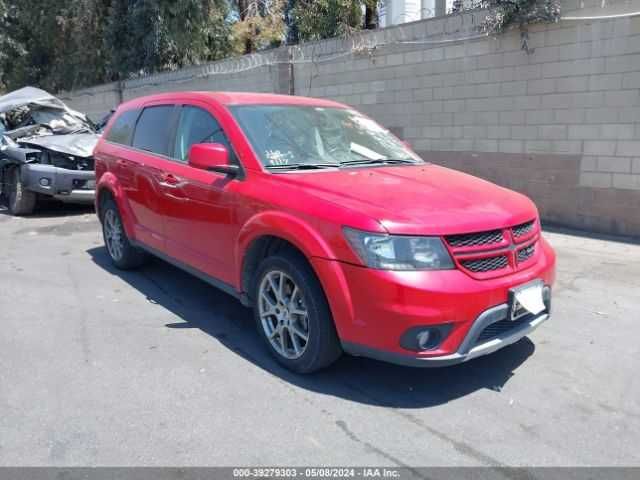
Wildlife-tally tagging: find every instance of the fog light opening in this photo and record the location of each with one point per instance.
(45, 182)
(423, 339)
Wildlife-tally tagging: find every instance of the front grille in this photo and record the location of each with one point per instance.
(522, 229)
(475, 239)
(526, 253)
(486, 264)
(500, 328)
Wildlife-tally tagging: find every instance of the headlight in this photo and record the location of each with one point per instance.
(399, 252)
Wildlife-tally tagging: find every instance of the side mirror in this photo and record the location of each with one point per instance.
(213, 157)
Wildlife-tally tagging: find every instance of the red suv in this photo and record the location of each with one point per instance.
(338, 236)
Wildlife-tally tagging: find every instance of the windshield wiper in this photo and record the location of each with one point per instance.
(380, 161)
(302, 166)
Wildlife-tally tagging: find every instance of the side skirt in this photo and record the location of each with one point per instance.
(214, 282)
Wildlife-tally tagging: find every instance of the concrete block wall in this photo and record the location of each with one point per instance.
(560, 123)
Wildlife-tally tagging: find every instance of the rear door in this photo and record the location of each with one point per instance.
(152, 141)
(200, 224)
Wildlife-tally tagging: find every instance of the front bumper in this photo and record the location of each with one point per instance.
(373, 309)
(469, 349)
(76, 186)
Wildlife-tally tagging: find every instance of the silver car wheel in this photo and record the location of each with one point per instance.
(283, 314)
(113, 234)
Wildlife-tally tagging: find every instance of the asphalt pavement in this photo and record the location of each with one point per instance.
(155, 367)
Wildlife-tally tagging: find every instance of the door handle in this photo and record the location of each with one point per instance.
(169, 180)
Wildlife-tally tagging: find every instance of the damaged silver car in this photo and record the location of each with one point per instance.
(46, 149)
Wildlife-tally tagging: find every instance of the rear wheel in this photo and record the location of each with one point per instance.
(20, 200)
(122, 253)
(292, 314)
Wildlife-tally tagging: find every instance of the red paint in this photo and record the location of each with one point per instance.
(208, 220)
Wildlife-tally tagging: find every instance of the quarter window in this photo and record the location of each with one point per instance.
(153, 130)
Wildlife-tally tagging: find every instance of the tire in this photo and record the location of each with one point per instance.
(20, 201)
(279, 316)
(122, 253)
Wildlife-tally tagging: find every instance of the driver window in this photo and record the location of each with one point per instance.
(197, 126)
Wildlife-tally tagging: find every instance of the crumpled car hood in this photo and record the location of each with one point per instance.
(46, 109)
(76, 144)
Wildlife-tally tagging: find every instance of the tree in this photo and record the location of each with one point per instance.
(317, 19)
(260, 25)
(144, 36)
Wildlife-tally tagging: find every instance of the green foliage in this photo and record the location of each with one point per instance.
(505, 13)
(261, 25)
(68, 44)
(144, 36)
(317, 19)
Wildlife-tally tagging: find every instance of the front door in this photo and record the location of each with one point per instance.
(200, 224)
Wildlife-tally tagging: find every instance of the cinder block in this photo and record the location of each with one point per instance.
(620, 131)
(631, 80)
(584, 132)
(511, 146)
(484, 145)
(432, 132)
(486, 118)
(628, 149)
(539, 117)
(413, 57)
(519, 132)
(553, 132)
(596, 180)
(623, 63)
(572, 84)
(513, 88)
(606, 82)
(454, 51)
(614, 164)
(600, 115)
(454, 106)
(512, 118)
(500, 132)
(635, 165)
(588, 164)
(544, 85)
(599, 147)
(622, 98)
(626, 181)
(394, 59)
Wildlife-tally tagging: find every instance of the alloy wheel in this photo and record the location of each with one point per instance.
(113, 234)
(283, 314)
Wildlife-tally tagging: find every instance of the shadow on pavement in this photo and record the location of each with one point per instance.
(51, 208)
(221, 316)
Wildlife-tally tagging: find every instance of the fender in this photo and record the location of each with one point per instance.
(108, 181)
(319, 254)
(286, 226)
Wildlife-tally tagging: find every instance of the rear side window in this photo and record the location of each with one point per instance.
(153, 130)
(123, 127)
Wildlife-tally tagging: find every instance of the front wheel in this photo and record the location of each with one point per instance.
(292, 314)
(20, 200)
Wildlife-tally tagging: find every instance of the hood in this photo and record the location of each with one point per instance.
(76, 144)
(424, 199)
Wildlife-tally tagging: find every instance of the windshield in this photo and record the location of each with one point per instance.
(285, 135)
